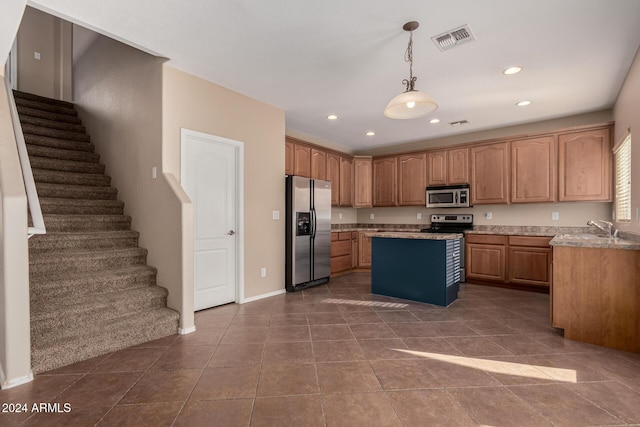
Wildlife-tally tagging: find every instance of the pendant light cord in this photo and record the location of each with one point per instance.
(408, 57)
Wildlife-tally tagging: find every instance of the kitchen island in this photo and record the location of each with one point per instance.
(422, 267)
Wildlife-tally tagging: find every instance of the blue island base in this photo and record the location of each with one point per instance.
(416, 269)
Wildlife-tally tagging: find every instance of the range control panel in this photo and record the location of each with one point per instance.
(452, 218)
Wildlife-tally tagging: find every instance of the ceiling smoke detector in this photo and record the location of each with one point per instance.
(453, 38)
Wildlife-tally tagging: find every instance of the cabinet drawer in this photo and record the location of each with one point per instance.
(344, 235)
(533, 241)
(334, 236)
(486, 239)
(340, 263)
(341, 247)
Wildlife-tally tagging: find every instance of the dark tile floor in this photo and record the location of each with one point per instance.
(336, 355)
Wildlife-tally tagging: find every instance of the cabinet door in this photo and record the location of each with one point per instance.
(318, 164)
(385, 175)
(585, 166)
(354, 249)
(533, 170)
(288, 158)
(437, 167)
(458, 166)
(486, 262)
(362, 171)
(490, 174)
(302, 160)
(412, 179)
(346, 181)
(530, 266)
(364, 250)
(333, 175)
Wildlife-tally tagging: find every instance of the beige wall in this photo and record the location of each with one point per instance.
(193, 103)
(119, 96)
(15, 343)
(51, 76)
(626, 113)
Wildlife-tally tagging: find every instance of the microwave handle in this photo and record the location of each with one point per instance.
(455, 197)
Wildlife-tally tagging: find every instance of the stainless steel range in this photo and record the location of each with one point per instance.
(452, 223)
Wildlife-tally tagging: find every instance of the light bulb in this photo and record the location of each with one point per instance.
(411, 104)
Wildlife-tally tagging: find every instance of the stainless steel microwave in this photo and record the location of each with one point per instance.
(448, 196)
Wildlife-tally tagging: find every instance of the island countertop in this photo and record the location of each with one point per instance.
(422, 236)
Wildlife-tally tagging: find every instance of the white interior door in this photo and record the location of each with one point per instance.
(209, 170)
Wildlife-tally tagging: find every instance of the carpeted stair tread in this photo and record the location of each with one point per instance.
(59, 206)
(89, 240)
(73, 261)
(51, 108)
(114, 335)
(33, 112)
(65, 144)
(62, 154)
(95, 282)
(48, 315)
(66, 165)
(56, 223)
(54, 133)
(42, 99)
(75, 191)
(71, 178)
(53, 124)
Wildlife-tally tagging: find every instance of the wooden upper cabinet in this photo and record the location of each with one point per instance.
(288, 157)
(458, 166)
(584, 160)
(333, 175)
(533, 170)
(412, 179)
(302, 160)
(346, 181)
(385, 176)
(362, 171)
(437, 168)
(318, 164)
(490, 174)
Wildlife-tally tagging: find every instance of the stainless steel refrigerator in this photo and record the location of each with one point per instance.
(308, 232)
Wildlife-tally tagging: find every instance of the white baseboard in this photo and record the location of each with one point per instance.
(262, 296)
(186, 331)
(17, 381)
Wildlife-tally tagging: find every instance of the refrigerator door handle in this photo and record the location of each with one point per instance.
(313, 223)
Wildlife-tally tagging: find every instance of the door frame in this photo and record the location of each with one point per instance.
(185, 135)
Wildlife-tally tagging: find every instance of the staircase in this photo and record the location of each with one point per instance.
(91, 289)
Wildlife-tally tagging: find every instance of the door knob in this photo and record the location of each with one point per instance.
(231, 233)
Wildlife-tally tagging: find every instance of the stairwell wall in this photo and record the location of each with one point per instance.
(118, 92)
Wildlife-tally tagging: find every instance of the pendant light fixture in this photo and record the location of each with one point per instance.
(411, 103)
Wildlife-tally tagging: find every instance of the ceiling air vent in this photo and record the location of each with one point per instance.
(453, 38)
(460, 123)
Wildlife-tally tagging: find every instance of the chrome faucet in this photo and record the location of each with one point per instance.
(609, 227)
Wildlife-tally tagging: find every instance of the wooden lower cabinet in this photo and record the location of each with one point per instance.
(364, 250)
(341, 258)
(521, 261)
(486, 257)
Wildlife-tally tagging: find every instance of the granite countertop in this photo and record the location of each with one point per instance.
(593, 241)
(418, 235)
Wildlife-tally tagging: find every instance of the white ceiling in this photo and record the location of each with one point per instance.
(346, 57)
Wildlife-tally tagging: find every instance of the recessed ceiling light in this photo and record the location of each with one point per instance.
(512, 70)
(370, 133)
(523, 103)
(332, 117)
(434, 121)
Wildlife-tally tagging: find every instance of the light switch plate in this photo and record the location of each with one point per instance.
(263, 272)
(339, 216)
(555, 216)
(488, 215)
(154, 172)
(36, 55)
(372, 216)
(418, 215)
(276, 214)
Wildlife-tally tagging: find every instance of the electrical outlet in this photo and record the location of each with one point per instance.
(488, 215)
(275, 214)
(418, 215)
(339, 216)
(263, 272)
(372, 216)
(36, 55)
(555, 216)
